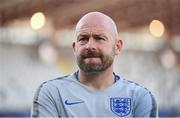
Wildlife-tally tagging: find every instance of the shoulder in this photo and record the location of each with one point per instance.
(51, 87)
(137, 91)
(53, 82)
(143, 100)
(46, 98)
(135, 87)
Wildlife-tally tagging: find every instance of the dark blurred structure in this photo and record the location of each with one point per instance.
(128, 14)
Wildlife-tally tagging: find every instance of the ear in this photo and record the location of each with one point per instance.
(74, 46)
(118, 46)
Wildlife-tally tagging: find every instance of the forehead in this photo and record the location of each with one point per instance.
(93, 29)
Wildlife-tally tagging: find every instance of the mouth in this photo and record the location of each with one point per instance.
(92, 59)
(90, 55)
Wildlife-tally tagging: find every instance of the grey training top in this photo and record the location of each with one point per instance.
(67, 97)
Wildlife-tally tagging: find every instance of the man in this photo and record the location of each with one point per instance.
(94, 90)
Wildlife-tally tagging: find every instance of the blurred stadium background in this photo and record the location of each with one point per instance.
(36, 37)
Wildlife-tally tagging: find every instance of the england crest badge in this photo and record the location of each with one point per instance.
(120, 106)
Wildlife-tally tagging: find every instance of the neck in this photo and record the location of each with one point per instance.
(98, 81)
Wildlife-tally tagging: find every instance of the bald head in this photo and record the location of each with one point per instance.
(94, 19)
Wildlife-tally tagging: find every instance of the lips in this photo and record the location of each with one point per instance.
(92, 60)
(91, 57)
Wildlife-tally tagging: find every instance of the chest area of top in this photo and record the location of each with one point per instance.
(82, 102)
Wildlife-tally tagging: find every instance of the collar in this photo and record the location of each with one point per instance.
(116, 77)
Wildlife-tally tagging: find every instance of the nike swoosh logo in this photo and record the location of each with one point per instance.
(72, 103)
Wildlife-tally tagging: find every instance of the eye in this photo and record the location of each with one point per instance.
(99, 38)
(82, 39)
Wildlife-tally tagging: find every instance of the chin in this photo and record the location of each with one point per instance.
(92, 73)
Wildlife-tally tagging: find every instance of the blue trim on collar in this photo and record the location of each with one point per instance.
(116, 77)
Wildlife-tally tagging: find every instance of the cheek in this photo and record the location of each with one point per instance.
(106, 49)
(109, 50)
(80, 49)
(78, 52)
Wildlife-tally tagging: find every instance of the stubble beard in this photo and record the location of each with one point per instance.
(93, 69)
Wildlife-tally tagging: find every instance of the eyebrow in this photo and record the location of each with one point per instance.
(99, 35)
(83, 35)
(94, 35)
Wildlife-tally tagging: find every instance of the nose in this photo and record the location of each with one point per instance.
(91, 44)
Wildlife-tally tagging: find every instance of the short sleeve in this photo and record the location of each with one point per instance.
(43, 103)
(145, 105)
